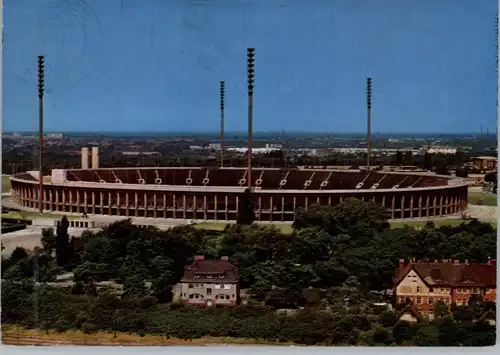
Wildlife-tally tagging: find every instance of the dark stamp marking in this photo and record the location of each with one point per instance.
(74, 29)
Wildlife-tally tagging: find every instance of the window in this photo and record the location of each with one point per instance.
(232, 295)
(418, 289)
(227, 287)
(447, 301)
(227, 297)
(431, 300)
(419, 300)
(209, 291)
(217, 287)
(431, 290)
(196, 296)
(191, 296)
(190, 286)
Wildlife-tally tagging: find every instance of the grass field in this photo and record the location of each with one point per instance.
(5, 184)
(12, 335)
(488, 199)
(287, 228)
(34, 215)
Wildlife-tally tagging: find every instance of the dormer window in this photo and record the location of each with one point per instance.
(196, 276)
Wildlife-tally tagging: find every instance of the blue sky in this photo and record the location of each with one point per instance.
(150, 65)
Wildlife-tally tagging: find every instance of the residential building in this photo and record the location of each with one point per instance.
(485, 163)
(209, 283)
(451, 281)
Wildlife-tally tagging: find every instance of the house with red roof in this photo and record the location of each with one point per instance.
(424, 283)
(209, 283)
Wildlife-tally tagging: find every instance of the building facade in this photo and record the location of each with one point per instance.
(212, 194)
(449, 281)
(485, 163)
(209, 283)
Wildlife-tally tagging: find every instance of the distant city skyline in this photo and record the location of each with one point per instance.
(130, 66)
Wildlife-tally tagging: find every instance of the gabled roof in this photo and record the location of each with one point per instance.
(451, 274)
(210, 271)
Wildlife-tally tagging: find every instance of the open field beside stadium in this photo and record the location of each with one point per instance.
(12, 335)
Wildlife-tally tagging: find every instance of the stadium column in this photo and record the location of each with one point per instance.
(164, 205)
(441, 205)
(101, 202)
(77, 201)
(118, 205)
(85, 209)
(402, 212)
(184, 206)
(419, 206)
(282, 209)
(226, 207)
(434, 206)
(57, 200)
(127, 205)
(393, 207)
(154, 205)
(215, 207)
(204, 207)
(136, 204)
(271, 209)
(110, 203)
(70, 201)
(174, 202)
(411, 207)
(195, 207)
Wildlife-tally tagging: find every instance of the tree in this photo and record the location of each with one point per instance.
(62, 242)
(48, 240)
(399, 158)
(246, 214)
(462, 172)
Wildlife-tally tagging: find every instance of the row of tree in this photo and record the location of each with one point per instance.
(345, 250)
(364, 324)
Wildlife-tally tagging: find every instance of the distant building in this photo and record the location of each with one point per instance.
(450, 281)
(209, 283)
(485, 163)
(442, 150)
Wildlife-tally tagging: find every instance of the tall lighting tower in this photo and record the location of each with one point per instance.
(369, 119)
(222, 124)
(41, 63)
(250, 71)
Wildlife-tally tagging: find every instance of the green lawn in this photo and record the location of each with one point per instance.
(5, 184)
(218, 226)
(488, 199)
(287, 228)
(34, 215)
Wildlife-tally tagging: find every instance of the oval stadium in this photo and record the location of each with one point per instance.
(198, 193)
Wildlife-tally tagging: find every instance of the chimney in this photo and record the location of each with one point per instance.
(224, 258)
(445, 261)
(466, 262)
(85, 158)
(95, 157)
(199, 257)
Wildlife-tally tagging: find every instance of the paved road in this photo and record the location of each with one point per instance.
(30, 238)
(483, 213)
